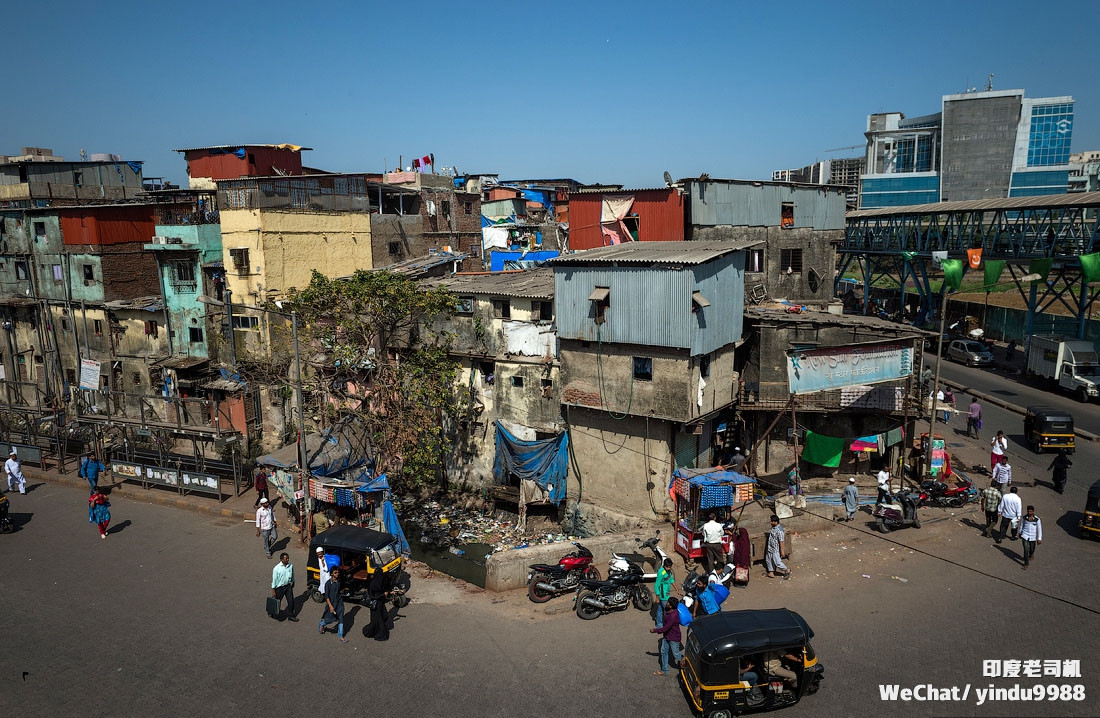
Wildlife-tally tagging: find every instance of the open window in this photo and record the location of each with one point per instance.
(643, 368)
(239, 255)
(786, 215)
(698, 301)
(601, 302)
(632, 223)
(754, 262)
(502, 309)
(790, 261)
(546, 311)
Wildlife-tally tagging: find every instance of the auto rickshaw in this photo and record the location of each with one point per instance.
(722, 649)
(1090, 522)
(361, 553)
(1048, 428)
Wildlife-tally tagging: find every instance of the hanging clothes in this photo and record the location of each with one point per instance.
(822, 450)
(895, 436)
(865, 443)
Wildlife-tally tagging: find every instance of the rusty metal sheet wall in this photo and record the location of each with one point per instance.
(748, 205)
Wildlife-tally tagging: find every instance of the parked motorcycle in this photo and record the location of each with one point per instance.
(937, 493)
(595, 598)
(620, 563)
(545, 581)
(902, 513)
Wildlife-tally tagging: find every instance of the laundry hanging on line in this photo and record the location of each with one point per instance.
(827, 450)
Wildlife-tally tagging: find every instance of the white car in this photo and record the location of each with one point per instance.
(969, 352)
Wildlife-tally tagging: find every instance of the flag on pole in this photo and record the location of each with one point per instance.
(1090, 266)
(952, 272)
(975, 257)
(993, 270)
(909, 255)
(1040, 267)
(938, 257)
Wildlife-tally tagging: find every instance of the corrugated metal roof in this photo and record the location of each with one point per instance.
(226, 147)
(530, 283)
(696, 252)
(149, 304)
(606, 190)
(760, 183)
(840, 320)
(420, 264)
(1077, 199)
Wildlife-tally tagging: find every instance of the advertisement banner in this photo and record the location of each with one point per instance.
(89, 374)
(813, 370)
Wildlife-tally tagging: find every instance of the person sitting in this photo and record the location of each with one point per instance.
(774, 666)
(748, 672)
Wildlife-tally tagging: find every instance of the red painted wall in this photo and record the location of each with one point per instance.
(660, 217)
(201, 163)
(107, 225)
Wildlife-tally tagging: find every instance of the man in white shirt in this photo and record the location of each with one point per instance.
(997, 448)
(323, 567)
(1031, 535)
(1010, 510)
(15, 474)
(883, 477)
(1002, 474)
(712, 543)
(266, 526)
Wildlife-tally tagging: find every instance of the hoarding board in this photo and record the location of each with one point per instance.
(813, 370)
(89, 374)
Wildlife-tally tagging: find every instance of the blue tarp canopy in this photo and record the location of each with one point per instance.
(378, 483)
(716, 484)
(545, 462)
(337, 450)
(393, 526)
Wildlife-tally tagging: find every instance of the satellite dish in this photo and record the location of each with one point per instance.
(668, 179)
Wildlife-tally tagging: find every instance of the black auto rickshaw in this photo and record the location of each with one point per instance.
(1048, 428)
(724, 650)
(1090, 522)
(361, 553)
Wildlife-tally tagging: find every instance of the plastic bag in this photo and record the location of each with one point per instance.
(685, 614)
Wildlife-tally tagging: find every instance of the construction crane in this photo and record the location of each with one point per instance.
(849, 147)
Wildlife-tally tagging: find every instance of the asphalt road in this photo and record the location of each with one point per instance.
(165, 617)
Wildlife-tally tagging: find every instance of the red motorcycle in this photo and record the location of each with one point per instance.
(546, 581)
(937, 493)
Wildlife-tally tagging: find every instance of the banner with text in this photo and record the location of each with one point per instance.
(812, 370)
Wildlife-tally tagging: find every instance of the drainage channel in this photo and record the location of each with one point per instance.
(466, 562)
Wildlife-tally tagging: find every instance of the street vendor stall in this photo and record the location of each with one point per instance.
(697, 492)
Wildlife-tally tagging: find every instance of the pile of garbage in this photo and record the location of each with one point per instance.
(451, 527)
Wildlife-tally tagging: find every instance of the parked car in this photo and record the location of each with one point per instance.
(969, 352)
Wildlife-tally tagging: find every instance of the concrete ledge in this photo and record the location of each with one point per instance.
(1087, 435)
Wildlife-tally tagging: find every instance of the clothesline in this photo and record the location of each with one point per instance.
(827, 450)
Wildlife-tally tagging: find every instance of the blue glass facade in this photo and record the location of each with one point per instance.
(1051, 131)
(899, 191)
(1031, 184)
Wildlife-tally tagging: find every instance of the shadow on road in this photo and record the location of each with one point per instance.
(1070, 522)
(19, 520)
(280, 545)
(118, 528)
(1010, 552)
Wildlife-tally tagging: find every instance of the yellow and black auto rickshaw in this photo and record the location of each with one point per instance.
(1090, 522)
(743, 661)
(1048, 428)
(360, 553)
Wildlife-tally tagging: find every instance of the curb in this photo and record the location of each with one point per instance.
(153, 497)
(1087, 435)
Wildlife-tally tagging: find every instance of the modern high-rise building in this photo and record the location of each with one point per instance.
(981, 145)
(845, 171)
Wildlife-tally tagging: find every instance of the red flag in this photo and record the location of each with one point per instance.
(425, 160)
(416, 164)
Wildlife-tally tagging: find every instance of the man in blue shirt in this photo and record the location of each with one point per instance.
(282, 584)
(90, 468)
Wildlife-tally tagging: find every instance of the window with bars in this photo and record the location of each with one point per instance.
(240, 260)
(790, 261)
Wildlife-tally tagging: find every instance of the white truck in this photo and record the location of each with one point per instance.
(1072, 364)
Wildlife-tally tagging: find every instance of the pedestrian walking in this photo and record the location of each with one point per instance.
(670, 636)
(883, 477)
(1009, 510)
(90, 468)
(738, 460)
(261, 488)
(991, 502)
(773, 558)
(15, 474)
(662, 588)
(1002, 474)
(948, 400)
(712, 542)
(378, 628)
(1060, 466)
(741, 550)
(267, 528)
(282, 585)
(974, 418)
(998, 446)
(99, 511)
(334, 606)
(1031, 535)
(794, 481)
(938, 404)
(850, 497)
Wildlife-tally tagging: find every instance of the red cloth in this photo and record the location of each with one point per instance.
(742, 551)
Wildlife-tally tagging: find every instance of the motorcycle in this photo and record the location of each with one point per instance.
(619, 563)
(937, 493)
(598, 597)
(545, 581)
(900, 514)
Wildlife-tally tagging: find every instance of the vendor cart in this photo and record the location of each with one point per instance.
(697, 492)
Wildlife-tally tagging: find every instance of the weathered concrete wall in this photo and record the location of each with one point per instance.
(667, 395)
(621, 466)
(395, 238)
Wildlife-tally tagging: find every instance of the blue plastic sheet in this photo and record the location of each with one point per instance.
(393, 526)
(499, 257)
(545, 462)
(717, 485)
(378, 483)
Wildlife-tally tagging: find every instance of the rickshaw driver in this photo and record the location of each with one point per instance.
(773, 666)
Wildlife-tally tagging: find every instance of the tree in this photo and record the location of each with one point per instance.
(383, 360)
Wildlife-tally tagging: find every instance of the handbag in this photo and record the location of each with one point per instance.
(272, 606)
(741, 574)
(979, 422)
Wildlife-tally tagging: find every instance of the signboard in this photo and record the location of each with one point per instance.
(883, 398)
(157, 475)
(89, 374)
(127, 471)
(195, 481)
(813, 370)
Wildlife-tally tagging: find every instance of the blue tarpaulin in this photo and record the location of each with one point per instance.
(716, 484)
(393, 526)
(239, 151)
(545, 462)
(378, 483)
(499, 257)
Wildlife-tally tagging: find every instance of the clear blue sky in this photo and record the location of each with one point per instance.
(597, 91)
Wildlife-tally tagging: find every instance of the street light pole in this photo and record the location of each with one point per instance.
(301, 429)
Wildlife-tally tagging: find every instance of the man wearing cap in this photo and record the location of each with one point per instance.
(15, 474)
(324, 568)
(266, 526)
(738, 460)
(850, 497)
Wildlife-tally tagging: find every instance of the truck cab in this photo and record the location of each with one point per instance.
(1080, 380)
(1072, 365)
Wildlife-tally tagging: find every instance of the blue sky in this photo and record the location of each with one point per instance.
(597, 91)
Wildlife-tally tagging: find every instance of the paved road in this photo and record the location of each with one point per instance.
(165, 617)
(1013, 390)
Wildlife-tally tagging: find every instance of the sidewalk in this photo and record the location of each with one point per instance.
(240, 507)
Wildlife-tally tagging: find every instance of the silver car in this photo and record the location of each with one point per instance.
(969, 352)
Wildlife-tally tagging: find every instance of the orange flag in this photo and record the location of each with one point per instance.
(975, 257)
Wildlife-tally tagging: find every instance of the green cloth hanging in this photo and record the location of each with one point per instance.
(822, 450)
(993, 270)
(1040, 267)
(1090, 266)
(909, 255)
(952, 272)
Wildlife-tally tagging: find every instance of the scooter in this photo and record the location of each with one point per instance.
(546, 581)
(620, 563)
(902, 513)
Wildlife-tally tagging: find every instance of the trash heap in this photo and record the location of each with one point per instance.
(452, 527)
